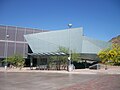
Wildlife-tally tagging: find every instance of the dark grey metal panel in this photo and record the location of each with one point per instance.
(10, 49)
(20, 33)
(2, 47)
(2, 32)
(37, 31)
(26, 50)
(15, 34)
(11, 32)
(29, 31)
(19, 48)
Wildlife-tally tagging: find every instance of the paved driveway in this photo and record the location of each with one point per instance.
(52, 81)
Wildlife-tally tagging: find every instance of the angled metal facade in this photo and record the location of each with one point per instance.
(70, 38)
(92, 46)
(51, 41)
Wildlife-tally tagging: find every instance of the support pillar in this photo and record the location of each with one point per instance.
(31, 62)
(48, 63)
(39, 62)
(85, 64)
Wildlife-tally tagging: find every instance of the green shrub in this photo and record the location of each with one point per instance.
(16, 61)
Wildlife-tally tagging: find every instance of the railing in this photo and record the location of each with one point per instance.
(95, 66)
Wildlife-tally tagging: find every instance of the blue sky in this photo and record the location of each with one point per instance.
(99, 18)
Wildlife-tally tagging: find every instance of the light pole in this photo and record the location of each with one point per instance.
(69, 58)
(7, 36)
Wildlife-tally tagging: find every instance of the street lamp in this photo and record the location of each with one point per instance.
(7, 36)
(69, 25)
(69, 58)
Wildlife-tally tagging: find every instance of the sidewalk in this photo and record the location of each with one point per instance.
(110, 70)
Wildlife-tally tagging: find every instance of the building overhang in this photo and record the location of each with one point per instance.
(49, 54)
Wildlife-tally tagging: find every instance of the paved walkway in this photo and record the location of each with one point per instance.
(110, 70)
(110, 82)
(57, 81)
(80, 79)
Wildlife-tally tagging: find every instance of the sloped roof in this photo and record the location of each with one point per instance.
(51, 41)
(72, 38)
(90, 45)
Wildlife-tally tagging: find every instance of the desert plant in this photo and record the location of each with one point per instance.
(16, 61)
(110, 55)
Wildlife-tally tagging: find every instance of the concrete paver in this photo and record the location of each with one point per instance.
(39, 81)
(57, 81)
(80, 79)
(110, 70)
(106, 82)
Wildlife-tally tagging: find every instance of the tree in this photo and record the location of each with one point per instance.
(63, 49)
(62, 60)
(103, 55)
(114, 54)
(110, 55)
(16, 61)
(74, 56)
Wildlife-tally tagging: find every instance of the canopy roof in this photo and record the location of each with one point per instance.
(48, 54)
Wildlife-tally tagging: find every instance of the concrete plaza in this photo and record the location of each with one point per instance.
(58, 81)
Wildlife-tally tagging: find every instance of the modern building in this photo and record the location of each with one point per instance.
(37, 45)
(12, 41)
(73, 38)
(47, 43)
